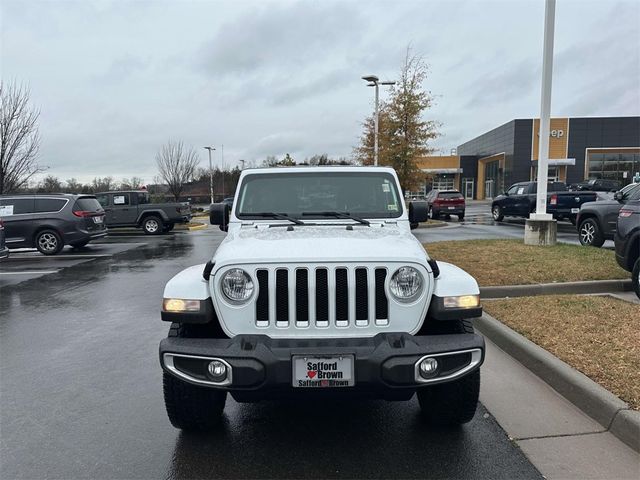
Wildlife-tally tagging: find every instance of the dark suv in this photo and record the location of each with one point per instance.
(627, 240)
(49, 222)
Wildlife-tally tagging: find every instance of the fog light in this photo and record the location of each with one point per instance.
(217, 370)
(428, 367)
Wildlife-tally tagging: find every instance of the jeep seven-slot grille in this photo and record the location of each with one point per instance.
(316, 297)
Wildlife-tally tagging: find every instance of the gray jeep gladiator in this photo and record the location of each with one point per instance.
(133, 208)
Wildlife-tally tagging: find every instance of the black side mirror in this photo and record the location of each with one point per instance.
(219, 215)
(619, 196)
(418, 212)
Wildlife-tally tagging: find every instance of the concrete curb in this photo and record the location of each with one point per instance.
(198, 227)
(591, 286)
(594, 400)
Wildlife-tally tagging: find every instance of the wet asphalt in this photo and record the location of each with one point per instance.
(81, 391)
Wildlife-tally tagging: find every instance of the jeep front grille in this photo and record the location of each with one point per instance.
(316, 297)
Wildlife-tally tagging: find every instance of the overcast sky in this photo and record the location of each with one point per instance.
(116, 79)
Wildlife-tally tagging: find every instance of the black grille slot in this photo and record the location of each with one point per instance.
(342, 294)
(381, 297)
(322, 295)
(362, 294)
(302, 295)
(282, 295)
(262, 303)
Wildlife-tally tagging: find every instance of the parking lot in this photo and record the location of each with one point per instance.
(82, 387)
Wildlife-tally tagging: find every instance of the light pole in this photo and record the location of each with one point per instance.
(223, 172)
(210, 173)
(374, 81)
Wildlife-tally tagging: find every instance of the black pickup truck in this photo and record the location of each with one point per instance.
(133, 208)
(520, 201)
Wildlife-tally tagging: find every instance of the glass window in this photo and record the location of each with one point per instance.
(87, 204)
(367, 195)
(121, 199)
(514, 189)
(143, 198)
(15, 206)
(450, 195)
(103, 200)
(634, 193)
(44, 205)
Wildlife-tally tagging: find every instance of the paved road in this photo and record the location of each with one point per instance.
(81, 393)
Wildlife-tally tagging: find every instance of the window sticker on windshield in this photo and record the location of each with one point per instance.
(6, 210)
(520, 191)
(393, 208)
(118, 200)
(386, 188)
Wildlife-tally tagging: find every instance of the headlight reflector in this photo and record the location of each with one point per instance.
(464, 301)
(406, 284)
(237, 285)
(180, 305)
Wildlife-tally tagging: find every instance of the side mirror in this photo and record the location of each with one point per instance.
(618, 196)
(219, 215)
(418, 212)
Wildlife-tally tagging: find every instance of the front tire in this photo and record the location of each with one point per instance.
(589, 233)
(635, 277)
(496, 213)
(152, 225)
(451, 403)
(49, 242)
(192, 408)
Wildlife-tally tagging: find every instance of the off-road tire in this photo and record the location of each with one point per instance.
(590, 234)
(81, 244)
(152, 225)
(635, 280)
(451, 403)
(192, 408)
(49, 242)
(496, 213)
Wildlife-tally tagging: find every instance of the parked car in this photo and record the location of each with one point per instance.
(445, 202)
(317, 300)
(598, 185)
(49, 222)
(4, 251)
(520, 201)
(133, 208)
(596, 221)
(627, 241)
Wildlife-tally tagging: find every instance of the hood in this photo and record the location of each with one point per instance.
(317, 244)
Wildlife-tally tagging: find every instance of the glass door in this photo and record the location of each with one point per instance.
(467, 186)
(488, 189)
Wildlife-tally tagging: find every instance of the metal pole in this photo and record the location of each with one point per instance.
(375, 135)
(545, 112)
(210, 174)
(222, 153)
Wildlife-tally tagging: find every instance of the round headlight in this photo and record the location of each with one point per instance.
(406, 284)
(237, 285)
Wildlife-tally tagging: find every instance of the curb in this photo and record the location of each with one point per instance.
(591, 286)
(198, 227)
(593, 399)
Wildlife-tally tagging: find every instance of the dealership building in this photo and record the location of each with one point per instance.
(579, 149)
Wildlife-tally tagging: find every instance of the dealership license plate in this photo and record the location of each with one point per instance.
(323, 372)
(97, 219)
(451, 208)
(575, 210)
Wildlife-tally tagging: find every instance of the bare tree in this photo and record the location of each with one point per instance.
(132, 183)
(73, 185)
(19, 138)
(177, 166)
(100, 184)
(50, 184)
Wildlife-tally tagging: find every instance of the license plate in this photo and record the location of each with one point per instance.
(451, 208)
(323, 372)
(575, 210)
(98, 219)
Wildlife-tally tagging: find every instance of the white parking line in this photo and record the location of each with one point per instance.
(34, 272)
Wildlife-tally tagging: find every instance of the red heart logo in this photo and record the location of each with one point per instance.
(311, 374)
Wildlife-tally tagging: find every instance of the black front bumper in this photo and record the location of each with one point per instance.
(262, 367)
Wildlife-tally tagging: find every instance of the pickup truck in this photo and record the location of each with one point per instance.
(520, 201)
(133, 208)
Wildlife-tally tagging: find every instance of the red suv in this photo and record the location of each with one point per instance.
(445, 202)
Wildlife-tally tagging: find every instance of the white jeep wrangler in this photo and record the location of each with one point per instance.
(320, 288)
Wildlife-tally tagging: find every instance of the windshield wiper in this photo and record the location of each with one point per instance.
(337, 215)
(279, 216)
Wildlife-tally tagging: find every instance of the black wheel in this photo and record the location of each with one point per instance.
(49, 242)
(496, 213)
(635, 277)
(451, 403)
(168, 227)
(81, 244)
(190, 407)
(589, 233)
(461, 217)
(152, 225)
(572, 219)
(433, 214)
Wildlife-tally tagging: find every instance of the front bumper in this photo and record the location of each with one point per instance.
(262, 367)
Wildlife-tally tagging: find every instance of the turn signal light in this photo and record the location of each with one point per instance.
(464, 301)
(180, 305)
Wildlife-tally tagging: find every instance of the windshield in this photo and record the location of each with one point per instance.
(369, 195)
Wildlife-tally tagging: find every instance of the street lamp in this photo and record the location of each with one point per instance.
(210, 173)
(374, 82)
